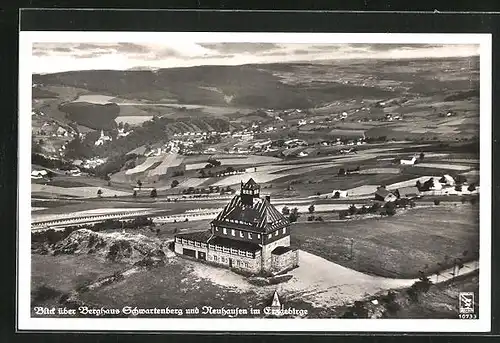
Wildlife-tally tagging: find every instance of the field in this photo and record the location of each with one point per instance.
(53, 276)
(82, 192)
(400, 246)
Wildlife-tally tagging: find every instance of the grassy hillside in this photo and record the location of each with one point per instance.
(94, 116)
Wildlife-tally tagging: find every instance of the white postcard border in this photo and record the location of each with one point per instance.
(26, 322)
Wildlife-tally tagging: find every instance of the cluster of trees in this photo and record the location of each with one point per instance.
(293, 214)
(209, 190)
(426, 186)
(363, 210)
(389, 208)
(43, 161)
(212, 162)
(315, 218)
(377, 139)
(111, 166)
(204, 173)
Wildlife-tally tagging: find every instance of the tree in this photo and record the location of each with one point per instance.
(99, 193)
(294, 215)
(341, 172)
(139, 184)
(418, 185)
(285, 210)
(375, 207)
(311, 209)
(422, 155)
(153, 193)
(174, 184)
(342, 215)
(352, 209)
(135, 194)
(336, 195)
(390, 208)
(458, 188)
(471, 188)
(436, 202)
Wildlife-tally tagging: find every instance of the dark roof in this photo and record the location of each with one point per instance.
(382, 192)
(198, 236)
(251, 184)
(280, 250)
(408, 191)
(207, 237)
(261, 216)
(235, 244)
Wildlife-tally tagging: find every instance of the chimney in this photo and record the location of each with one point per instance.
(268, 198)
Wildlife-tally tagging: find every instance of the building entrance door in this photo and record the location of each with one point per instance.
(230, 263)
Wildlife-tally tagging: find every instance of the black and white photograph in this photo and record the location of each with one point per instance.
(206, 180)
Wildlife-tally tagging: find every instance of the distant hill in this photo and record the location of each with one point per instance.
(249, 86)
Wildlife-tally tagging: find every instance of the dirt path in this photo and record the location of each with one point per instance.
(325, 284)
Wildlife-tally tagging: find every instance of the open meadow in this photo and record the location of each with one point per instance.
(421, 239)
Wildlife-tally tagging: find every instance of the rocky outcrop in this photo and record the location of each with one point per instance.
(114, 246)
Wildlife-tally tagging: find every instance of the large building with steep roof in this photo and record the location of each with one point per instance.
(249, 235)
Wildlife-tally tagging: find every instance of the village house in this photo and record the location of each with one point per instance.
(409, 162)
(384, 195)
(102, 139)
(407, 192)
(249, 235)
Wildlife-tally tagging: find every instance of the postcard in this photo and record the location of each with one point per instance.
(258, 182)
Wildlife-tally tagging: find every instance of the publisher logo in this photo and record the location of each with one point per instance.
(466, 302)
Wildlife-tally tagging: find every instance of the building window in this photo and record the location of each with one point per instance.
(233, 232)
(216, 229)
(215, 258)
(249, 235)
(269, 236)
(276, 233)
(224, 230)
(242, 235)
(258, 236)
(284, 230)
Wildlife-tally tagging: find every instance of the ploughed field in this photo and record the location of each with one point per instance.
(420, 239)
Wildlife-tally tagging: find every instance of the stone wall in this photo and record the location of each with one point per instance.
(285, 261)
(268, 248)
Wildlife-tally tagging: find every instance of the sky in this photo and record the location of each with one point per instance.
(60, 57)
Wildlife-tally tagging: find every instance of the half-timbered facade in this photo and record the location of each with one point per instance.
(249, 234)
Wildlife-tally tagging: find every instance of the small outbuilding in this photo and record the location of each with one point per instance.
(384, 195)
